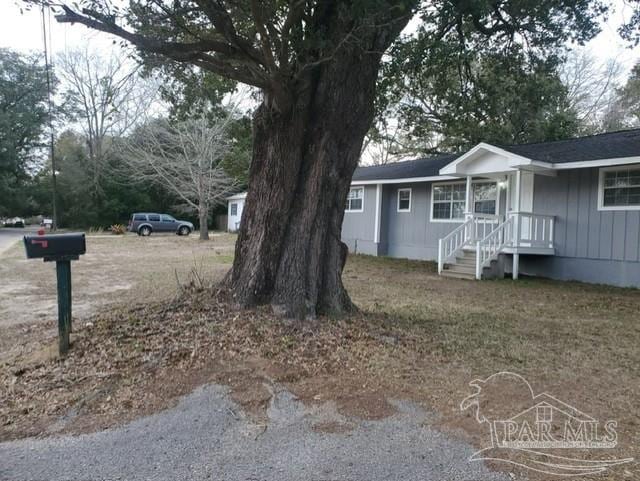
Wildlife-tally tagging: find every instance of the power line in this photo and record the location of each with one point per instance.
(54, 217)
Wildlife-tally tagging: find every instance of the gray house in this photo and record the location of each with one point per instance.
(565, 210)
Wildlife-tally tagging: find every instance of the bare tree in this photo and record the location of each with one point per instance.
(382, 145)
(591, 86)
(106, 96)
(186, 158)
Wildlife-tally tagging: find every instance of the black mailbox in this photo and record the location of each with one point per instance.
(55, 247)
(61, 248)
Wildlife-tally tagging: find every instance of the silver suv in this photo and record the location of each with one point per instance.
(144, 223)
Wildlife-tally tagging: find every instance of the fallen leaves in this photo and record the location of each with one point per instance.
(130, 361)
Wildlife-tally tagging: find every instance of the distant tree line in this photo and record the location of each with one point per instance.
(102, 103)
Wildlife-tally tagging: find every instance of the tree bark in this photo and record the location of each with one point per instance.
(203, 219)
(289, 251)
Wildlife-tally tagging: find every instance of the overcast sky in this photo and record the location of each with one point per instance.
(24, 32)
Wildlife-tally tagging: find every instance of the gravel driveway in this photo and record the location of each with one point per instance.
(206, 437)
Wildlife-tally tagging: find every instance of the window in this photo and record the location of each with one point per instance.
(485, 196)
(448, 201)
(404, 200)
(167, 218)
(234, 209)
(140, 217)
(619, 188)
(355, 200)
(154, 218)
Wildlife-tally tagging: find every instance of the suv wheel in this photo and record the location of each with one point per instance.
(144, 231)
(184, 230)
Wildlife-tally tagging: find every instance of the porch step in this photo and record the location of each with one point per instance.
(461, 271)
(467, 258)
(464, 266)
(458, 274)
(466, 261)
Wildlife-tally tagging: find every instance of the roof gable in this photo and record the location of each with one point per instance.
(485, 159)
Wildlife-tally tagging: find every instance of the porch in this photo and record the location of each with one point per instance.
(472, 249)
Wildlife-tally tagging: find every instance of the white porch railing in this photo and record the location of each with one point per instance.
(475, 227)
(521, 229)
(533, 230)
(453, 242)
(490, 246)
(490, 237)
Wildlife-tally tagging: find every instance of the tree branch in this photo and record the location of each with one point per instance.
(193, 52)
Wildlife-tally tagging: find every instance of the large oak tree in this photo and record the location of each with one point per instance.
(316, 63)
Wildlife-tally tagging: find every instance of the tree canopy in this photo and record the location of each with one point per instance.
(23, 118)
(445, 104)
(273, 44)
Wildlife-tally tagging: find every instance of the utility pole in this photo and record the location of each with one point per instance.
(54, 217)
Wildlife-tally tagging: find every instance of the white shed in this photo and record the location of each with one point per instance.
(234, 211)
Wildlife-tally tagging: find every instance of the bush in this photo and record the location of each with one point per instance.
(118, 229)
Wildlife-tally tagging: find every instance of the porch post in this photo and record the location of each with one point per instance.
(376, 227)
(508, 207)
(516, 235)
(518, 189)
(468, 205)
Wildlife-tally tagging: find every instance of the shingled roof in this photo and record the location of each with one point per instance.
(611, 145)
(409, 169)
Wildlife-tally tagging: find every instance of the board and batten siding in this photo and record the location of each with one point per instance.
(358, 227)
(411, 234)
(591, 245)
(408, 235)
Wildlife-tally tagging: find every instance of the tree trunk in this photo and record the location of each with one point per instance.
(289, 251)
(203, 216)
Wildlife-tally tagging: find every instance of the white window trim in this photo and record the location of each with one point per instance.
(461, 220)
(601, 205)
(356, 210)
(231, 204)
(410, 199)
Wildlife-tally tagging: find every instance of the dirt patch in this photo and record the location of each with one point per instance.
(353, 395)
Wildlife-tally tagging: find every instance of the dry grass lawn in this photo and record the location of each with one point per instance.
(419, 336)
(115, 270)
